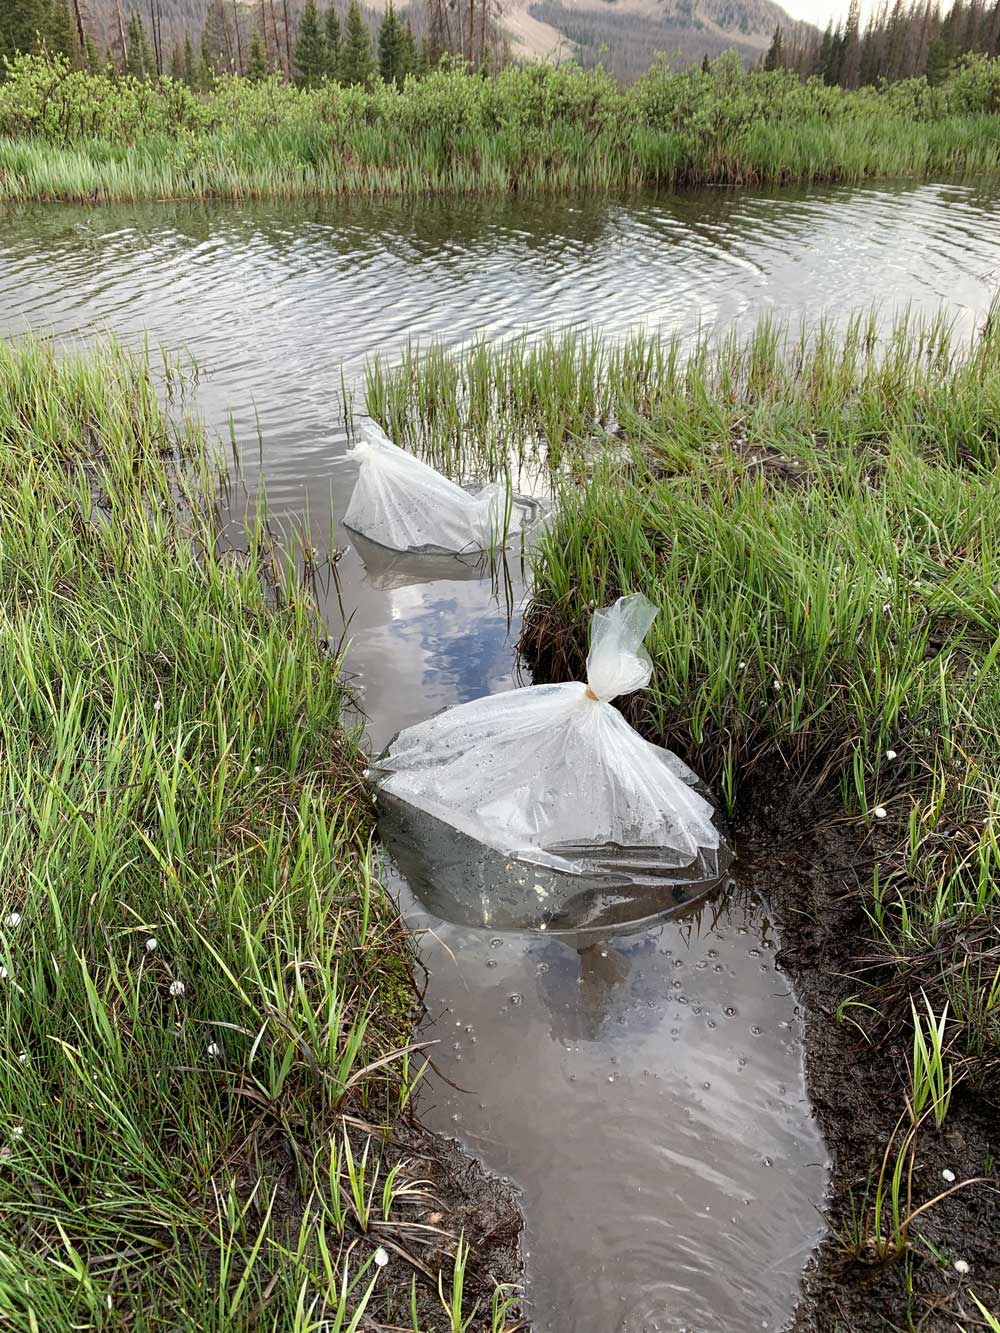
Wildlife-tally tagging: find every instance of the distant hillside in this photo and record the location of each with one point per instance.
(621, 34)
(624, 34)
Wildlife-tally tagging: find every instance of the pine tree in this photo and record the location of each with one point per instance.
(257, 64)
(425, 61)
(190, 68)
(310, 54)
(332, 24)
(408, 52)
(356, 64)
(390, 39)
(706, 67)
(92, 57)
(775, 52)
(177, 63)
(822, 67)
(141, 63)
(61, 36)
(19, 23)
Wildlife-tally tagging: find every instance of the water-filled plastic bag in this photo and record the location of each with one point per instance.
(406, 505)
(554, 775)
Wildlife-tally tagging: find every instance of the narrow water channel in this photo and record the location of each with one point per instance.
(644, 1092)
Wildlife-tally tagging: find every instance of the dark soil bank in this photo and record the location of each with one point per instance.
(807, 862)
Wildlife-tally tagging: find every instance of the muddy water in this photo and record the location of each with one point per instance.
(643, 1091)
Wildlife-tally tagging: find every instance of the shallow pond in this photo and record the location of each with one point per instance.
(644, 1091)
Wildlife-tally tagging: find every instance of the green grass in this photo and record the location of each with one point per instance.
(75, 136)
(200, 976)
(817, 517)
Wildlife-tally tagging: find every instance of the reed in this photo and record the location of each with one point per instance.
(68, 135)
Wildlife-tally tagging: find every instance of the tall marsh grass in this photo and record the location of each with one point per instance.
(204, 992)
(78, 136)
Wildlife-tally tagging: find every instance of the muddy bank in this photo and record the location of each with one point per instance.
(808, 861)
(456, 1198)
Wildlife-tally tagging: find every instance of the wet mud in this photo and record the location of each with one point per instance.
(811, 866)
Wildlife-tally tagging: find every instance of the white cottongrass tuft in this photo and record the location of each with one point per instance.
(961, 1267)
(176, 989)
(214, 1049)
(948, 1174)
(17, 1132)
(880, 812)
(381, 1258)
(151, 945)
(890, 754)
(13, 920)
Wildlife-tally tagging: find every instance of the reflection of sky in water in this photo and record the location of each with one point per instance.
(424, 647)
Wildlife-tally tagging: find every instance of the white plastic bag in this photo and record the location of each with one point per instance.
(405, 505)
(553, 774)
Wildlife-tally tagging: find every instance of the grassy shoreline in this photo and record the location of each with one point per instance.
(205, 994)
(72, 136)
(816, 515)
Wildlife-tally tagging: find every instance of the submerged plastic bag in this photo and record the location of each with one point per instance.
(554, 775)
(404, 504)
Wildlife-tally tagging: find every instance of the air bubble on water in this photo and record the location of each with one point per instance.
(711, 1023)
(717, 968)
(742, 1062)
(755, 1031)
(516, 998)
(495, 943)
(543, 967)
(604, 953)
(729, 1011)
(491, 962)
(768, 1162)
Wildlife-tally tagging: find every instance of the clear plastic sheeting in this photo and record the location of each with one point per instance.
(555, 776)
(404, 504)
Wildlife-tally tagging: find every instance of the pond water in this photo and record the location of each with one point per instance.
(644, 1091)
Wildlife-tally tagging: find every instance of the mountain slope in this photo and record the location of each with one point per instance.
(622, 34)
